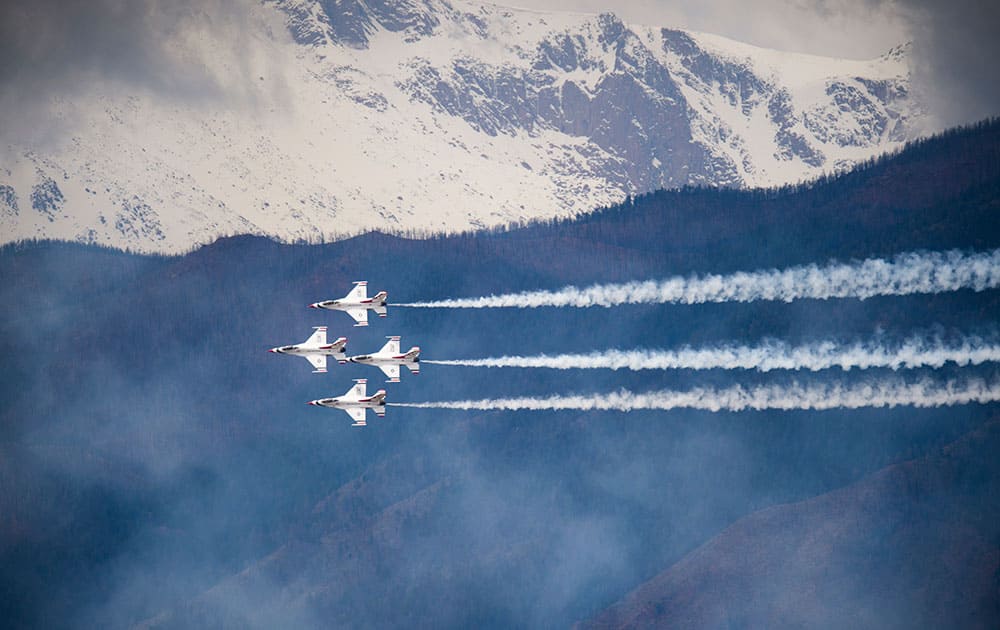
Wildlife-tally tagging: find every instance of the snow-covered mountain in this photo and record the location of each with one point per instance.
(442, 115)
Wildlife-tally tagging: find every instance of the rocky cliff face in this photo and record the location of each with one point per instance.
(439, 116)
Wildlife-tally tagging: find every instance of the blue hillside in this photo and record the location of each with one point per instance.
(158, 465)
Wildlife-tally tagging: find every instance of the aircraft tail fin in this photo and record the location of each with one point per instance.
(413, 359)
(337, 345)
(336, 349)
(379, 399)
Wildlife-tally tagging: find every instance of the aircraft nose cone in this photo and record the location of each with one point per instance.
(313, 305)
(273, 350)
(311, 402)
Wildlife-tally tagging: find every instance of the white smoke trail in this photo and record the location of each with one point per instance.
(772, 355)
(929, 272)
(881, 393)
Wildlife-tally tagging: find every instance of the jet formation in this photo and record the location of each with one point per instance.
(355, 402)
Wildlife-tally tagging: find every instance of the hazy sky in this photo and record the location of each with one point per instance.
(858, 29)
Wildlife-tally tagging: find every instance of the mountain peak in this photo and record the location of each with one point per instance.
(441, 116)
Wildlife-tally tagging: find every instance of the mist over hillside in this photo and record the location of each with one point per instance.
(159, 467)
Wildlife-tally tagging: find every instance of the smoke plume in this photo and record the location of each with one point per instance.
(914, 352)
(906, 274)
(793, 396)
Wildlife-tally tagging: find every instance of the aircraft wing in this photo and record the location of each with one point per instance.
(360, 315)
(318, 338)
(358, 391)
(318, 362)
(391, 346)
(392, 371)
(358, 415)
(358, 293)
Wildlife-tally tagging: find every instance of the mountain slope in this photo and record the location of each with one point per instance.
(912, 546)
(441, 116)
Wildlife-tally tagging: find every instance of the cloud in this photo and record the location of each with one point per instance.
(855, 29)
(48, 46)
(189, 51)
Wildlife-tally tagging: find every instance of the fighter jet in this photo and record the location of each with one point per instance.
(357, 303)
(355, 401)
(315, 349)
(388, 359)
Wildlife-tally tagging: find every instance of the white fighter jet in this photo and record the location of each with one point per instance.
(355, 401)
(315, 349)
(388, 359)
(357, 303)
